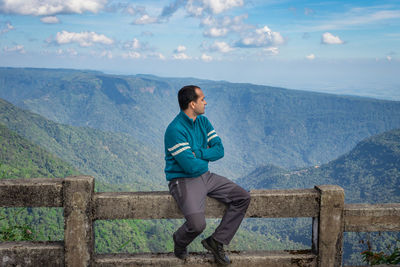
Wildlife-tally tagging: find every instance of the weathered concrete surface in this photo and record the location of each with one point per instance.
(135, 205)
(161, 205)
(78, 232)
(31, 254)
(330, 228)
(372, 218)
(238, 259)
(284, 203)
(34, 192)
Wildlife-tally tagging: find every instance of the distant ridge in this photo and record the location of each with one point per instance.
(259, 125)
(369, 173)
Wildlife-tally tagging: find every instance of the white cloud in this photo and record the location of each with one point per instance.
(389, 58)
(216, 32)
(222, 47)
(329, 38)
(125, 8)
(17, 49)
(194, 9)
(156, 55)
(84, 39)
(271, 51)
(261, 37)
(179, 53)
(181, 56)
(132, 55)
(310, 57)
(198, 7)
(50, 7)
(206, 58)
(6, 28)
(145, 19)
(133, 45)
(138, 46)
(135, 10)
(219, 27)
(68, 51)
(180, 49)
(218, 6)
(50, 20)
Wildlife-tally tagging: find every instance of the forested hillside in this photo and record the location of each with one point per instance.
(20, 158)
(259, 125)
(369, 173)
(116, 160)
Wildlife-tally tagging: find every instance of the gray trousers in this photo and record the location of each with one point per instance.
(190, 195)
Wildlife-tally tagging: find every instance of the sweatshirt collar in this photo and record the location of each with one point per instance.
(186, 118)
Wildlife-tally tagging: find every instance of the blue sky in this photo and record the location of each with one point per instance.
(343, 47)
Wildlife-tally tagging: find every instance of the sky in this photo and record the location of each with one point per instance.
(340, 47)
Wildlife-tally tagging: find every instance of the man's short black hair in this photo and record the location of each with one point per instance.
(186, 95)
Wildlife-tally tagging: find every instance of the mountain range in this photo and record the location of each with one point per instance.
(259, 125)
(369, 173)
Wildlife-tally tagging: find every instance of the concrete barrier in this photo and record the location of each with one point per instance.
(325, 204)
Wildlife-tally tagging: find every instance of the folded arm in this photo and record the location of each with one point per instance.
(214, 150)
(179, 148)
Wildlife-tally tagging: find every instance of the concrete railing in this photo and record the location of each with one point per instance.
(82, 206)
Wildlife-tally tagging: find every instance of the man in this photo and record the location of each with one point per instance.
(190, 143)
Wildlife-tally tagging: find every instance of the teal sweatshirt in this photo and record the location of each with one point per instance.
(185, 136)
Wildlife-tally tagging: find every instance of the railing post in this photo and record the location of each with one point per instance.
(78, 229)
(330, 225)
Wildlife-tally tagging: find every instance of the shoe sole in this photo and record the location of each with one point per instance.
(183, 256)
(206, 246)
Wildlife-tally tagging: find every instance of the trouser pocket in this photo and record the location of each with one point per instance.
(177, 189)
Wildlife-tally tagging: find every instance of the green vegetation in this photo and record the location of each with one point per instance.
(118, 162)
(20, 158)
(258, 124)
(375, 258)
(15, 232)
(369, 173)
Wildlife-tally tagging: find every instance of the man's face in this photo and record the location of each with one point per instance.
(200, 103)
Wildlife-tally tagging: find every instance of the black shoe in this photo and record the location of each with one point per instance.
(180, 252)
(217, 249)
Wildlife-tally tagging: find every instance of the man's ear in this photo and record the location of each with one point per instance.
(191, 104)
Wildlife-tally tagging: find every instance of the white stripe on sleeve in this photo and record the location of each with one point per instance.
(212, 137)
(180, 150)
(213, 131)
(177, 145)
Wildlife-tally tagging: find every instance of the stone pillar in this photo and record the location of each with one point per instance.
(78, 227)
(329, 237)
